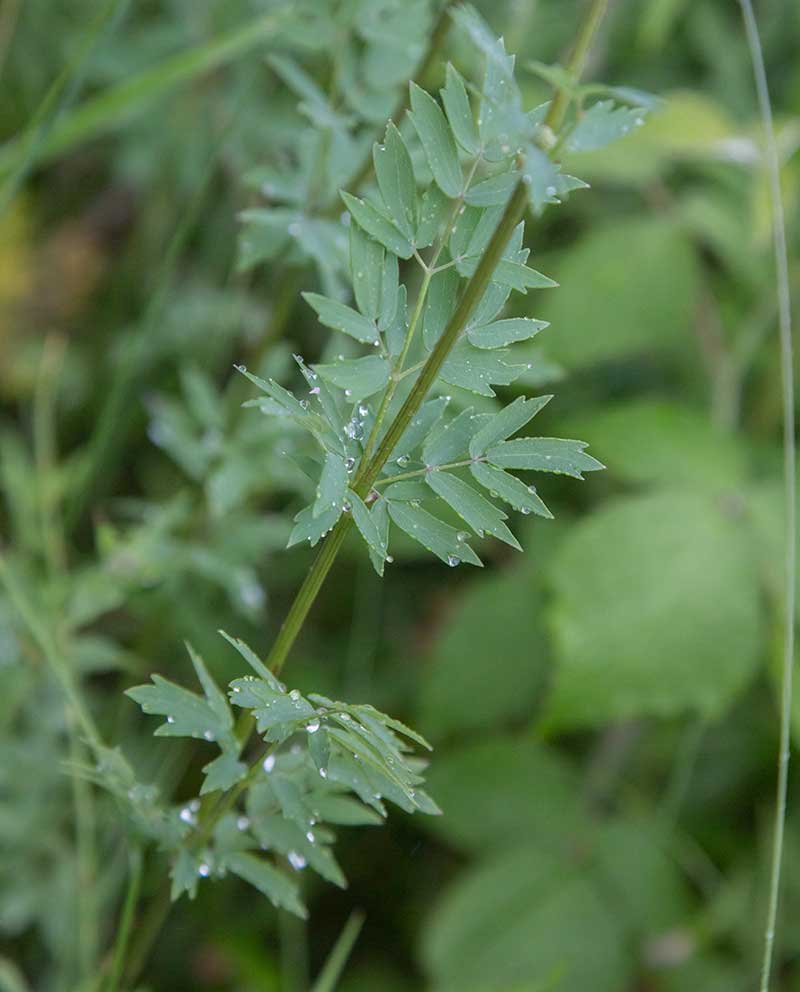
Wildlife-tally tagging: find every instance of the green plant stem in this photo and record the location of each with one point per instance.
(789, 480)
(126, 919)
(577, 61)
(337, 959)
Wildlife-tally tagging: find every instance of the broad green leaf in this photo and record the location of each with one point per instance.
(521, 918)
(367, 525)
(479, 370)
(366, 271)
(481, 515)
(507, 422)
(494, 191)
(340, 317)
(395, 175)
(656, 611)
(544, 454)
(603, 123)
(510, 489)
(378, 225)
(358, 377)
(275, 885)
(626, 305)
(656, 441)
(437, 140)
(435, 535)
(449, 440)
(499, 617)
(505, 332)
(332, 486)
(459, 112)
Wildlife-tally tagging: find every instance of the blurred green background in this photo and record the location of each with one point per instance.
(603, 706)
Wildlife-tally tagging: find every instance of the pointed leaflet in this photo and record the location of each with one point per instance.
(340, 317)
(366, 271)
(433, 211)
(380, 516)
(544, 454)
(253, 661)
(507, 422)
(493, 191)
(310, 528)
(281, 891)
(437, 140)
(440, 304)
(510, 489)
(603, 123)
(459, 112)
(478, 370)
(358, 377)
(378, 225)
(449, 440)
(420, 427)
(367, 526)
(433, 534)
(505, 332)
(395, 175)
(481, 515)
(332, 485)
(222, 773)
(188, 715)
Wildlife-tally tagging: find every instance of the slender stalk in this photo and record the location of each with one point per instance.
(337, 959)
(577, 61)
(789, 478)
(126, 920)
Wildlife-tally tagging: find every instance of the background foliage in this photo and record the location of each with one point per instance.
(602, 708)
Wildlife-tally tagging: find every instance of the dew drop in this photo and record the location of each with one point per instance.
(208, 735)
(550, 191)
(462, 536)
(453, 560)
(297, 861)
(242, 823)
(349, 463)
(363, 410)
(170, 719)
(525, 511)
(203, 870)
(348, 393)
(323, 773)
(294, 695)
(389, 560)
(187, 816)
(268, 763)
(310, 836)
(312, 726)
